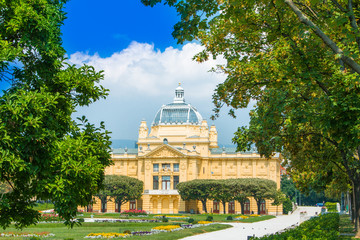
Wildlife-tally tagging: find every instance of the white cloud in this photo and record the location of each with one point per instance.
(142, 78)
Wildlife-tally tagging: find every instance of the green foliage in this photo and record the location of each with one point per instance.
(226, 190)
(324, 227)
(127, 231)
(44, 153)
(331, 207)
(121, 189)
(80, 220)
(209, 218)
(229, 218)
(287, 206)
(164, 219)
(190, 220)
(300, 63)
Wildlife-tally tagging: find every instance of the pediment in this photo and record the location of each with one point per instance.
(165, 151)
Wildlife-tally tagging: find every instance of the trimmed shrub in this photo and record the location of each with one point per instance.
(229, 218)
(191, 220)
(164, 219)
(209, 218)
(287, 206)
(127, 231)
(331, 207)
(325, 227)
(80, 220)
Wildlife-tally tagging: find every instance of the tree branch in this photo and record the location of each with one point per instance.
(337, 4)
(353, 23)
(347, 60)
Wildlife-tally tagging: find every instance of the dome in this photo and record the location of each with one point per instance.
(177, 112)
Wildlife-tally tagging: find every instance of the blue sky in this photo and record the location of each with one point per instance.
(142, 65)
(106, 26)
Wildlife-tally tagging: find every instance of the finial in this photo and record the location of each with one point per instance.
(179, 83)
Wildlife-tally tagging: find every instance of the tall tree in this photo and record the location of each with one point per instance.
(122, 189)
(44, 153)
(299, 61)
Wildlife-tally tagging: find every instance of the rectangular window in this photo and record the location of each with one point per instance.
(165, 182)
(166, 166)
(176, 181)
(155, 182)
(132, 204)
(176, 167)
(155, 167)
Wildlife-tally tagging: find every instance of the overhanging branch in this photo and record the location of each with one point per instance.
(347, 60)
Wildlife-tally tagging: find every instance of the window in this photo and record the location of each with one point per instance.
(155, 182)
(166, 166)
(132, 204)
(155, 167)
(165, 182)
(176, 181)
(176, 167)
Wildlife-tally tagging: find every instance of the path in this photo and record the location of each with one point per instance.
(240, 231)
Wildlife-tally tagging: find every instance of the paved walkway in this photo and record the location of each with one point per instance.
(240, 231)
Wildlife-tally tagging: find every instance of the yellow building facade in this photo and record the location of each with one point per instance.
(180, 146)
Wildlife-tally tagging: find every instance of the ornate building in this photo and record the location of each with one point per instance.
(180, 146)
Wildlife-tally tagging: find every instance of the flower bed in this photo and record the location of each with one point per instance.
(154, 230)
(171, 216)
(24, 234)
(204, 222)
(108, 235)
(241, 217)
(167, 228)
(254, 215)
(127, 220)
(50, 218)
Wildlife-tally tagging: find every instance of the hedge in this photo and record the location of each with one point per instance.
(324, 227)
(331, 207)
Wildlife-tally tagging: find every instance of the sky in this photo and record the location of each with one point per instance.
(142, 65)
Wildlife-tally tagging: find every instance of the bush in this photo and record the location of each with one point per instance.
(229, 218)
(164, 219)
(80, 220)
(209, 218)
(287, 206)
(325, 227)
(127, 231)
(331, 207)
(134, 212)
(191, 220)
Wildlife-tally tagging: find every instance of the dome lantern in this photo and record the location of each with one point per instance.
(178, 112)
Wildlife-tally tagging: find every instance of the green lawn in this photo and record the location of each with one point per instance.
(196, 217)
(79, 232)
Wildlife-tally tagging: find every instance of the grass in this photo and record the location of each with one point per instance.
(346, 228)
(44, 206)
(79, 232)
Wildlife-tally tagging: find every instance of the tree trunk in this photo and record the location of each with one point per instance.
(356, 199)
(204, 205)
(242, 204)
(224, 205)
(119, 207)
(258, 203)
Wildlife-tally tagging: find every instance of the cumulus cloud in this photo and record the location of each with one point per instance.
(141, 78)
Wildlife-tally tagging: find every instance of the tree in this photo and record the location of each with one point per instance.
(261, 189)
(222, 191)
(44, 153)
(122, 189)
(287, 186)
(300, 62)
(240, 191)
(197, 189)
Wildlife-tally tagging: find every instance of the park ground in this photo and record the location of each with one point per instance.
(225, 229)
